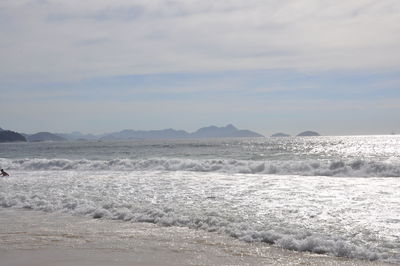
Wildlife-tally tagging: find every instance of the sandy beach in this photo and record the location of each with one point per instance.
(36, 238)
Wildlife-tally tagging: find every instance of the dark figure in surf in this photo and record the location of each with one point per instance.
(3, 173)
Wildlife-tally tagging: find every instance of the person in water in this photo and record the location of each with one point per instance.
(3, 173)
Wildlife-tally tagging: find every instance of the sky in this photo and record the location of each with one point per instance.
(270, 66)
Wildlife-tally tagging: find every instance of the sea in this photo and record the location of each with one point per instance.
(334, 195)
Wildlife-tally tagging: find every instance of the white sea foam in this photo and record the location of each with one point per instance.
(339, 216)
(356, 168)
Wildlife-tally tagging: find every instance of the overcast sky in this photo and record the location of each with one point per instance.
(266, 65)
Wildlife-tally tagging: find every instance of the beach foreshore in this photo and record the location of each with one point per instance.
(29, 238)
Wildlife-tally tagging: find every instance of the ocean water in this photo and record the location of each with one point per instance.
(328, 195)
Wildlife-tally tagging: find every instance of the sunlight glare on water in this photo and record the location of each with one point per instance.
(334, 195)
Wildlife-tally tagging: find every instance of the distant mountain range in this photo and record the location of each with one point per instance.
(229, 131)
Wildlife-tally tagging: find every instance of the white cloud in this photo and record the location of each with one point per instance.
(69, 40)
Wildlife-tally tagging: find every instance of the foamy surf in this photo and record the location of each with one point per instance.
(336, 216)
(354, 168)
(36, 238)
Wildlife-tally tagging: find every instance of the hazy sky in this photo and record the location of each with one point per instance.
(266, 65)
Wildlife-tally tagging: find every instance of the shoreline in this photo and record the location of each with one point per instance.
(36, 238)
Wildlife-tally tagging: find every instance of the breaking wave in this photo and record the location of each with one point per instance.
(213, 222)
(351, 168)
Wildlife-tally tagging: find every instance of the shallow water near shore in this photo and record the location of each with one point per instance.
(37, 238)
(328, 195)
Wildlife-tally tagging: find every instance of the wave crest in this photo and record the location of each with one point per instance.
(359, 168)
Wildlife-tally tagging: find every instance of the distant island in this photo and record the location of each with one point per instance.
(229, 131)
(278, 135)
(308, 134)
(11, 136)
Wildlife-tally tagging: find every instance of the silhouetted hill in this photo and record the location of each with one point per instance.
(308, 134)
(11, 136)
(229, 131)
(44, 136)
(277, 135)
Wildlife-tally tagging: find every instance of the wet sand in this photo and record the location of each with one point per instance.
(30, 238)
